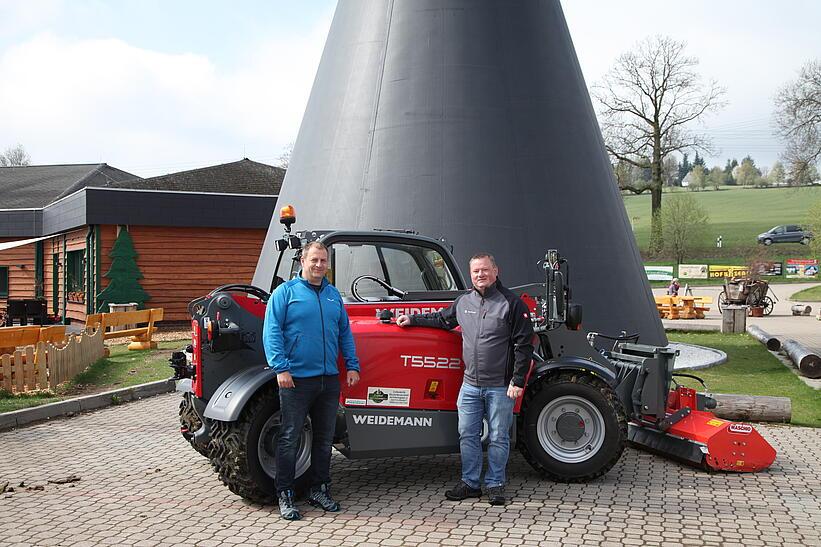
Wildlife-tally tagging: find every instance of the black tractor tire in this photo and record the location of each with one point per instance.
(566, 398)
(234, 450)
(190, 422)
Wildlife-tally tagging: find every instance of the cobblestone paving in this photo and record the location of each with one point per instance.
(141, 484)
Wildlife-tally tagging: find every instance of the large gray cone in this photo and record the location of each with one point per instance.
(468, 120)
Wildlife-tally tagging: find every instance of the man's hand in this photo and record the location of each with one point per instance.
(403, 320)
(514, 392)
(353, 378)
(285, 380)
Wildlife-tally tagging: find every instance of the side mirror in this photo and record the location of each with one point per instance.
(574, 317)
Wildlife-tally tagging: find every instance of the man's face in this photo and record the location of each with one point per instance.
(483, 273)
(314, 265)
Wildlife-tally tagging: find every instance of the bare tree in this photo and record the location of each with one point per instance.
(798, 118)
(284, 159)
(684, 222)
(649, 99)
(15, 156)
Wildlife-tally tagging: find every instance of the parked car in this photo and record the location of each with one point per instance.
(786, 233)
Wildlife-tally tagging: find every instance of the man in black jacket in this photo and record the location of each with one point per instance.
(497, 349)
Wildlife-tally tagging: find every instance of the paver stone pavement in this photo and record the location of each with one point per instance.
(141, 484)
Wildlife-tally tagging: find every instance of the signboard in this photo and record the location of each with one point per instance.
(659, 273)
(692, 271)
(802, 267)
(720, 272)
(769, 268)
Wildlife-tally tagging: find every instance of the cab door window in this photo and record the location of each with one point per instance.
(405, 267)
(349, 261)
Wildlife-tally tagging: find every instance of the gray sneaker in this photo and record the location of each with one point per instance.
(320, 496)
(287, 506)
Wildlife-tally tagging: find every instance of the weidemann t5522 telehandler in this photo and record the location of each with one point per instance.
(586, 394)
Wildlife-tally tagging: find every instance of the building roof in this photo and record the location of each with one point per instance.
(35, 186)
(239, 177)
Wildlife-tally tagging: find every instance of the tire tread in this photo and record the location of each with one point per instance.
(579, 378)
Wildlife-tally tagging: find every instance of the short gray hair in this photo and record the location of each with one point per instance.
(313, 245)
(477, 256)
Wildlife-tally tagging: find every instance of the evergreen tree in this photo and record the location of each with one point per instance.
(124, 275)
(699, 161)
(729, 179)
(684, 168)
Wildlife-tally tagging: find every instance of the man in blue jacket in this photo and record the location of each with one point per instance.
(306, 326)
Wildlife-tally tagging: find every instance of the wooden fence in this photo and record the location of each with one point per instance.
(46, 365)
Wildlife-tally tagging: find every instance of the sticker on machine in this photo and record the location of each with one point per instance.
(388, 396)
(744, 429)
(355, 402)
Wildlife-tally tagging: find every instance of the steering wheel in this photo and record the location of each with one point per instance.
(382, 283)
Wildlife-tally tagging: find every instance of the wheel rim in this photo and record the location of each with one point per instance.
(571, 429)
(267, 447)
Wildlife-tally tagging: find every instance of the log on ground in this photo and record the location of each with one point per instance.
(752, 408)
(772, 343)
(808, 363)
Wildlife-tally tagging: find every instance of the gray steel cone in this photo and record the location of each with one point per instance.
(468, 120)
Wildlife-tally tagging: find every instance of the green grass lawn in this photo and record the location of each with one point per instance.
(752, 370)
(738, 215)
(122, 369)
(813, 294)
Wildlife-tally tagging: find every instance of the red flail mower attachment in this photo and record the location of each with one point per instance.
(699, 438)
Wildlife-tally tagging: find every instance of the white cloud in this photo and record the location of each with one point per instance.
(151, 112)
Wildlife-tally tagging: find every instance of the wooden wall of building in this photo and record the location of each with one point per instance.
(180, 264)
(74, 241)
(20, 263)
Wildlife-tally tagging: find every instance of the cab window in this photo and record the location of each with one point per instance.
(406, 267)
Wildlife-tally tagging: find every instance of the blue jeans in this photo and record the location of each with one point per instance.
(318, 397)
(475, 403)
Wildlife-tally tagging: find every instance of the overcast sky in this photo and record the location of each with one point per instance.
(160, 86)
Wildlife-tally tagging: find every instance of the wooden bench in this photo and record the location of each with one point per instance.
(15, 337)
(667, 307)
(141, 336)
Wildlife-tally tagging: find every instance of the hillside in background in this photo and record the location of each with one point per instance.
(738, 215)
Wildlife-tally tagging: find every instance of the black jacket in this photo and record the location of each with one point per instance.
(497, 335)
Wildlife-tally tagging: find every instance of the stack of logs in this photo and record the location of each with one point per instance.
(768, 409)
(807, 362)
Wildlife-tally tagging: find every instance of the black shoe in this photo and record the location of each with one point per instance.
(496, 495)
(320, 496)
(462, 491)
(287, 506)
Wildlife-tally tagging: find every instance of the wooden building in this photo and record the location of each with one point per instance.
(191, 231)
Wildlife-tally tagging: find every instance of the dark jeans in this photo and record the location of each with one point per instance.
(317, 397)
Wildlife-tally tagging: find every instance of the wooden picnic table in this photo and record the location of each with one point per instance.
(682, 307)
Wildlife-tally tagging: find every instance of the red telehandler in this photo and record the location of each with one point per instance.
(586, 395)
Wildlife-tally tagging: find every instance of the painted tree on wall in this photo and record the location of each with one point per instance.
(123, 276)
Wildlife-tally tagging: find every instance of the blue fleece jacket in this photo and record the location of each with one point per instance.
(304, 330)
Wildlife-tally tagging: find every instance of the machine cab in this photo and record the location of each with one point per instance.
(382, 275)
(365, 266)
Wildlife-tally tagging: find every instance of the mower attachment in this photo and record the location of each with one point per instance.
(701, 439)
